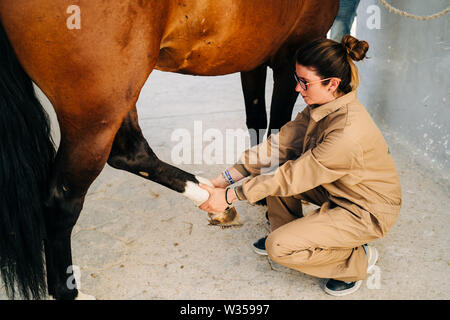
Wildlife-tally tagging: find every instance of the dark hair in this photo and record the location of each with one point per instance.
(333, 59)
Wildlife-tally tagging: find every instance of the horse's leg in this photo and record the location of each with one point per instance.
(254, 87)
(80, 158)
(89, 119)
(283, 96)
(131, 152)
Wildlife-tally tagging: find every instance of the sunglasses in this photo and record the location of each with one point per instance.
(303, 84)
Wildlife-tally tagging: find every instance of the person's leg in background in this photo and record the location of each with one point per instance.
(344, 19)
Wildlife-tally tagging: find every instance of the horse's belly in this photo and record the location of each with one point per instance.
(203, 59)
(214, 38)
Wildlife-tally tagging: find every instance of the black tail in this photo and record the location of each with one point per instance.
(26, 153)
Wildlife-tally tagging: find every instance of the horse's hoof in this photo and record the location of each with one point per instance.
(229, 218)
(83, 296)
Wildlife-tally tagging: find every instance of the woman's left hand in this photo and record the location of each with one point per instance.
(216, 202)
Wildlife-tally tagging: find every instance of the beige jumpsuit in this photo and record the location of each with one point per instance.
(333, 156)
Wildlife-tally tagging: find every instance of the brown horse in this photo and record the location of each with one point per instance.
(91, 59)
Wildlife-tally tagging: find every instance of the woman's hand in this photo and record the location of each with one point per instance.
(216, 202)
(219, 182)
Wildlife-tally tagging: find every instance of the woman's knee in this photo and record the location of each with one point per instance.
(275, 247)
(280, 245)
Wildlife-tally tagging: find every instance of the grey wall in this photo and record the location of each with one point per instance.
(405, 85)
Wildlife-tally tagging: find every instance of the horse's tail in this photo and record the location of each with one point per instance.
(26, 153)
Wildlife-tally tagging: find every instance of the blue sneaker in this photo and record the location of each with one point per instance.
(339, 288)
(260, 246)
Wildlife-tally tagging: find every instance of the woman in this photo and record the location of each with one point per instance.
(332, 155)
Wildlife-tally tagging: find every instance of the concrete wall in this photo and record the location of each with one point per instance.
(406, 84)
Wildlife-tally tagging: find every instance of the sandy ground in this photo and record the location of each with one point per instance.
(136, 239)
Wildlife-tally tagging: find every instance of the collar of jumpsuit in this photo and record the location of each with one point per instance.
(319, 112)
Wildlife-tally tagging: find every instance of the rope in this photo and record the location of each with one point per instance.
(413, 16)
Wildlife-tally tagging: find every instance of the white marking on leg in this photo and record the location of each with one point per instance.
(195, 193)
(204, 181)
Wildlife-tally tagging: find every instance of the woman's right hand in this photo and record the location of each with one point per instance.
(219, 181)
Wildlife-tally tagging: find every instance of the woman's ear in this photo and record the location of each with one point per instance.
(334, 84)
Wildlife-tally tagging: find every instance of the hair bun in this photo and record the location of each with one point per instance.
(355, 49)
